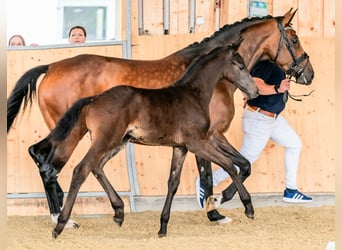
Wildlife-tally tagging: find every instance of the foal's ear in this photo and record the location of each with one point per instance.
(288, 17)
(236, 43)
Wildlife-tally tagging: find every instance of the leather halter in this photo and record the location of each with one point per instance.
(295, 69)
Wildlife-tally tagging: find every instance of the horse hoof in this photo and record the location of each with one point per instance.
(161, 235)
(224, 220)
(215, 217)
(54, 234)
(72, 224)
(118, 221)
(250, 216)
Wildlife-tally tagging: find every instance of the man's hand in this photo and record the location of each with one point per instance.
(284, 85)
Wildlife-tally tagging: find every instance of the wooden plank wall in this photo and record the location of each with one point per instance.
(313, 118)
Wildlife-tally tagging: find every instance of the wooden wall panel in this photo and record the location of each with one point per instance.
(329, 18)
(311, 17)
(153, 17)
(179, 17)
(205, 9)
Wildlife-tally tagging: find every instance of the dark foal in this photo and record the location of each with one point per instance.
(176, 116)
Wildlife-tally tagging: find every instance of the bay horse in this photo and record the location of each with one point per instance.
(68, 80)
(176, 116)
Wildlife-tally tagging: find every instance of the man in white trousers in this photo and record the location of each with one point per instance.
(262, 121)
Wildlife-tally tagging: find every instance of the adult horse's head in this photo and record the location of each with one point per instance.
(290, 50)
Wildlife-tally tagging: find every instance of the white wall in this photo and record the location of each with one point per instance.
(35, 20)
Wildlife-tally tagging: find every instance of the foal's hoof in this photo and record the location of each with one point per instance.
(118, 221)
(161, 235)
(54, 234)
(249, 215)
(71, 224)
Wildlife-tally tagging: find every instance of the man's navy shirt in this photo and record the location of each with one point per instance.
(272, 75)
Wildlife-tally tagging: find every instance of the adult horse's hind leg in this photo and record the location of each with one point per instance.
(178, 157)
(48, 175)
(50, 161)
(206, 179)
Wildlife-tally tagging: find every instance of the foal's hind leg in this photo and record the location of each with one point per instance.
(178, 157)
(206, 179)
(101, 150)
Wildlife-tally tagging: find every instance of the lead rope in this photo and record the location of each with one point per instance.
(294, 97)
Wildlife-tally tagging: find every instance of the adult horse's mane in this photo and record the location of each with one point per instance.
(248, 21)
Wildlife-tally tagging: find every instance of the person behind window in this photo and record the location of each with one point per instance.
(77, 34)
(16, 40)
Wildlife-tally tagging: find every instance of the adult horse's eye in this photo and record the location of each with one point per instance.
(295, 41)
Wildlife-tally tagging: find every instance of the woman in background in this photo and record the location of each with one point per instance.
(77, 34)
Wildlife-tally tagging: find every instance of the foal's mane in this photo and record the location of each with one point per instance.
(194, 68)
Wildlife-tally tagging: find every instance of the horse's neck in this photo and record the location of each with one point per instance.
(256, 45)
(204, 80)
(223, 37)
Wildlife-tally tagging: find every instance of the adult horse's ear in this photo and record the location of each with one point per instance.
(288, 17)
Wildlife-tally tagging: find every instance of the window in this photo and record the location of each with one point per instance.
(48, 22)
(98, 17)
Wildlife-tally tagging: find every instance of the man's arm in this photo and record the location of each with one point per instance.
(265, 89)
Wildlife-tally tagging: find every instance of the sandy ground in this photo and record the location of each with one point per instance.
(294, 227)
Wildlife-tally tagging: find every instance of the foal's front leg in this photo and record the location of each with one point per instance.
(178, 157)
(206, 179)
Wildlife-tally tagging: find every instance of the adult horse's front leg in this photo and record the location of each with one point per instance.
(206, 179)
(178, 157)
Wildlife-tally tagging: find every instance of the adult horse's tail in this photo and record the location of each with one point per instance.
(24, 90)
(69, 120)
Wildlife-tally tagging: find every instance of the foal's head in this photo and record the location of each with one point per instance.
(235, 71)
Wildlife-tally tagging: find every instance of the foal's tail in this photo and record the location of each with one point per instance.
(69, 120)
(24, 90)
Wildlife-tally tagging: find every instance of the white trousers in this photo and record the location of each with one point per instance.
(258, 130)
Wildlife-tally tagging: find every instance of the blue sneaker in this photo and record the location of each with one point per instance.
(200, 193)
(294, 196)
